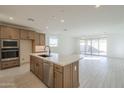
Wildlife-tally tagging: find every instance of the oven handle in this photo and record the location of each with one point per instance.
(9, 50)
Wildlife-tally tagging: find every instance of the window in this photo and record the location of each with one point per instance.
(94, 46)
(53, 41)
(82, 46)
(88, 47)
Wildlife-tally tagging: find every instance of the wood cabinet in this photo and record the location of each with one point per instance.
(9, 33)
(58, 79)
(75, 73)
(9, 64)
(32, 61)
(36, 67)
(66, 76)
(27, 34)
(62, 76)
(42, 39)
(31, 35)
(23, 34)
(39, 39)
(0, 65)
(0, 32)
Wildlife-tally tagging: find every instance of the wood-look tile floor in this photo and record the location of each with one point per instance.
(19, 77)
(101, 72)
(95, 72)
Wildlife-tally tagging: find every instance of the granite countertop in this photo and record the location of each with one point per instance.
(58, 59)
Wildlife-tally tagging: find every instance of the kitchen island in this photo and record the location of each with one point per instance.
(56, 71)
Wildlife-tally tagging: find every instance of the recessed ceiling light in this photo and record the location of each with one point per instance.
(11, 18)
(65, 29)
(97, 6)
(62, 20)
(31, 19)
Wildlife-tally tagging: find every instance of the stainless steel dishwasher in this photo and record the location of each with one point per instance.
(48, 73)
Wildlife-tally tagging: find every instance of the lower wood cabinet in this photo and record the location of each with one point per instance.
(58, 79)
(38, 69)
(36, 66)
(63, 76)
(66, 76)
(8, 64)
(75, 73)
(0, 65)
(32, 61)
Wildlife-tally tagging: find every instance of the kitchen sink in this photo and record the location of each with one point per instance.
(44, 55)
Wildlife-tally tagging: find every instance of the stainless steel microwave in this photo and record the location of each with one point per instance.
(9, 43)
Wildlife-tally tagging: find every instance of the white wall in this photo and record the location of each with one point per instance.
(25, 50)
(116, 45)
(66, 44)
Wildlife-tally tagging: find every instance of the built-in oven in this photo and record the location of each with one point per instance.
(9, 43)
(9, 54)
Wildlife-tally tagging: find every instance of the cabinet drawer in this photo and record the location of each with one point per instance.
(58, 68)
(8, 64)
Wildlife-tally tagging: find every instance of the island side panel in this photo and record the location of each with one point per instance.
(67, 76)
(76, 74)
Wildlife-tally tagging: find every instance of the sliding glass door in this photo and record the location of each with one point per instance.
(88, 49)
(94, 46)
(82, 46)
(103, 46)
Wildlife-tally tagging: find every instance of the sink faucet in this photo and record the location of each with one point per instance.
(49, 51)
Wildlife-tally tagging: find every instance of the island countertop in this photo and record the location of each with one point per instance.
(58, 59)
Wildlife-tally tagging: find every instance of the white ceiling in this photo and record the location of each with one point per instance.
(79, 20)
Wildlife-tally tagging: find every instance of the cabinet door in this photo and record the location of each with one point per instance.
(40, 70)
(31, 35)
(42, 39)
(36, 68)
(32, 64)
(58, 79)
(37, 39)
(75, 74)
(0, 66)
(0, 31)
(9, 33)
(23, 34)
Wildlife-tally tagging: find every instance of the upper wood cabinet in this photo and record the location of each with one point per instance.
(39, 39)
(42, 39)
(9, 33)
(31, 35)
(27, 34)
(23, 34)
